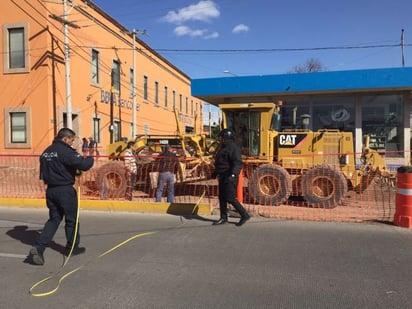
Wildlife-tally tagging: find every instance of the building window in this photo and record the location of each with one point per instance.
(145, 90)
(333, 113)
(180, 103)
(186, 106)
(174, 100)
(191, 107)
(116, 76)
(116, 130)
(156, 93)
(166, 96)
(146, 129)
(17, 128)
(382, 122)
(95, 67)
(131, 83)
(15, 48)
(96, 129)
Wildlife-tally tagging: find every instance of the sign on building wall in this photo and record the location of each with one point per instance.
(105, 97)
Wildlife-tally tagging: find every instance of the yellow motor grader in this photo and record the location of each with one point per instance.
(319, 166)
(193, 150)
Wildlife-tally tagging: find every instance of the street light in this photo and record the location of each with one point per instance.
(228, 72)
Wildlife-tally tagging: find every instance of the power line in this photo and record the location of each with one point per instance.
(282, 49)
(262, 50)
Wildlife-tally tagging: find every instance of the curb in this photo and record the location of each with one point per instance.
(113, 205)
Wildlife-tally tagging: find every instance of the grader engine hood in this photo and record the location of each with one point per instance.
(303, 149)
(293, 149)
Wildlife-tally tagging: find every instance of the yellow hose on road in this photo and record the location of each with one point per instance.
(65, 275)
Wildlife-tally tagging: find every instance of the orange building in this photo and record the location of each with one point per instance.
(68, 63)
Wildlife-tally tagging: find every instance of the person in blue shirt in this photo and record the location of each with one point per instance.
(167, 165)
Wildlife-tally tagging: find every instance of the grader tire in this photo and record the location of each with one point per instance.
(270, 185)
(324, 186)
(111, 180)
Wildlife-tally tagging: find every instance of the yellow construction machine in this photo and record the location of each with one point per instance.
(194, 152)
(319, 166)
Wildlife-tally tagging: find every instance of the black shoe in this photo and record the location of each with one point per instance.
(37, 256)
(76, 251)
(243, 220)
(220, 221)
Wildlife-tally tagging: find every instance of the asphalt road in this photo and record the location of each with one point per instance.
(188, 263)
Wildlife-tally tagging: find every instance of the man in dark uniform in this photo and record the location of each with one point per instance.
(59, 164)
(228, 163)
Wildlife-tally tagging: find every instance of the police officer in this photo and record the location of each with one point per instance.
(59, 164)
(228, 163)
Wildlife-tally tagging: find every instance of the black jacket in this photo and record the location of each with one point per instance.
(228, 159)
(167, 162)
(60, 162)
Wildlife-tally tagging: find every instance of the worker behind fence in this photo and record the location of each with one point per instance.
(167, 165)
(59, 164)
(131, 169)
(228, 164)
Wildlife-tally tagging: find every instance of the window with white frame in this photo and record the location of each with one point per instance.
(116, 130)
(96, 129)
(15, 48)
(95, 67)
(17, 128)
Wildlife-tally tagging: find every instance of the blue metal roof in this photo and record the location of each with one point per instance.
(219, 90)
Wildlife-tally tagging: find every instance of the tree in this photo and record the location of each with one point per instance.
(311, 65)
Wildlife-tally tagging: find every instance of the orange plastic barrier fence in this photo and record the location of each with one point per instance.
(307, 196)
(239, 189)
(403, 213)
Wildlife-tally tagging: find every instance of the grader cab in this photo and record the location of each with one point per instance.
(319, 166)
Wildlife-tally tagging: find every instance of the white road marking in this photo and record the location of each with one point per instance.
(12, 255)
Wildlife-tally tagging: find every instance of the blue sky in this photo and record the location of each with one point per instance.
(208, 37)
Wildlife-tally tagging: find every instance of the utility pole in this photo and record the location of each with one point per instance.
(67, 68)
(111, 127)
(66, 23)
(210, 122)
(134, 129)
(134, 32)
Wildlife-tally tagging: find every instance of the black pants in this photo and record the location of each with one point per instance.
(62, 202)
(227, 194)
